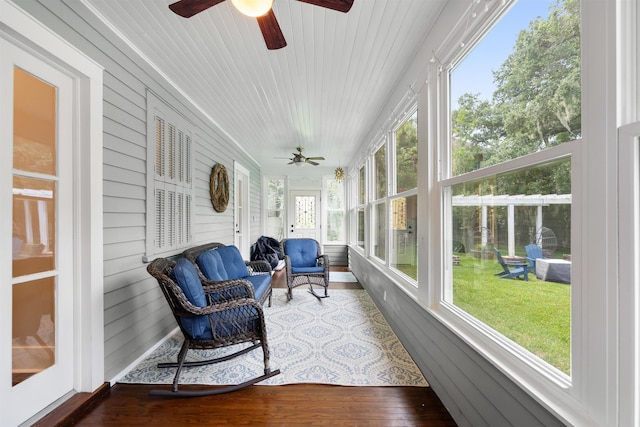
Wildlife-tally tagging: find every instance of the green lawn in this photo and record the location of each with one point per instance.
(534, 314)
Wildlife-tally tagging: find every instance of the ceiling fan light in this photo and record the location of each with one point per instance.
(298, 162)
(253, 8)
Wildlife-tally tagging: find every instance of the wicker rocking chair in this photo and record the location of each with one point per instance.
(210, 316)
(305, 265)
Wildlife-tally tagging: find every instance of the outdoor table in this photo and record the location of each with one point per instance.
(553, 270)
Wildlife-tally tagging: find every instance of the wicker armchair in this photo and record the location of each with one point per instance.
(305, 265)
(210, 315)
(231, 266)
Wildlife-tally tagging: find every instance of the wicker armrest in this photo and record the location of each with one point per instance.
(259, 266)
(323, 260)
(189, 310)
(227, 290)
(229, 305)
(287, 263)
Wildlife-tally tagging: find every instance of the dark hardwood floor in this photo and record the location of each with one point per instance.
(291, 405)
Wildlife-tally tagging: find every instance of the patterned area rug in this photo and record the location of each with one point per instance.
(342, 276)
(340, 340)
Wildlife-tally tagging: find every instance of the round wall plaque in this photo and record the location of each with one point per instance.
(219, 188)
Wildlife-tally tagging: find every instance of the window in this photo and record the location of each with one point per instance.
(380, 173)
(509, 180)
(406, 146)
(392, 207)
(360, 208)
(335, 211)
(379, 206)
(404, 200)
(169, 178)
(275, 208)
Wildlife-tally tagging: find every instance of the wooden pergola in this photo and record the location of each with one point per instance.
(484, 202)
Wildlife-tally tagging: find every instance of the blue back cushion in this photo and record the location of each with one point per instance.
(233, 262)
(187, 278)
(211, 265)
(302, 252)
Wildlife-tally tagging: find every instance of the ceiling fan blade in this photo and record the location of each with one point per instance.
(188, 8)
(291, 162)
(315, 158)
(339, 5)
(271, 31)
(311, 162)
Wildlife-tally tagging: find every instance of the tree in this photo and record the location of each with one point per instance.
(407, 154)
(539, 83)
(536, 103)
(476, 131)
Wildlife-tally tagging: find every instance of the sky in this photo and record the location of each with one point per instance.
(474, 74)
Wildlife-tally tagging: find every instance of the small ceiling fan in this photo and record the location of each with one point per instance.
(260, 9)
(298, 159)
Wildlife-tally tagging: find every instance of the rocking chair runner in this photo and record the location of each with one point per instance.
(305, 265)
(210, 316)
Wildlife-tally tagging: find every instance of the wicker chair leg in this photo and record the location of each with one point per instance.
(181, 356)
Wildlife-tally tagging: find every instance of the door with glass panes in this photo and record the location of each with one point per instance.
(304, 214)
(36, 182)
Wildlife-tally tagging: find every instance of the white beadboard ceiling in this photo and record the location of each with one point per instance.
(322, 92)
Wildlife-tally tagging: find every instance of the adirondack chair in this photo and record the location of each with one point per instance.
(533, 253)
(512, 269)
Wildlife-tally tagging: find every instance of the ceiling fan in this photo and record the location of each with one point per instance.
(298, 159)
(260, 9)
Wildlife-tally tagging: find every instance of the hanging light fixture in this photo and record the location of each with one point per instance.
(339, 174)
(253, 8)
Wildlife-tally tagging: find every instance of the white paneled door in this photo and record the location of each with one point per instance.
(304, 214)
(241, 209)
(36, 183)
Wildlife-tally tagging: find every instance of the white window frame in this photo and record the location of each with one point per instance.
(325, 210)
(359, 205)
(629, 238)
(267, 209)
(393, 175)
(373, 202)
(392, 180)
(170, 190)
(582, 399)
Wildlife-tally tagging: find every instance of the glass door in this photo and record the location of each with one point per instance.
(241, 211)
(36, 176)
(304, 214)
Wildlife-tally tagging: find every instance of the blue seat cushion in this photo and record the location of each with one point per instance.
(211, 265)
(187, 278)
(233, 262)
(299, 270)
(302, 252)
(260, 284)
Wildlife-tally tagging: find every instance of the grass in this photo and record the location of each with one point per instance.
(535, 314)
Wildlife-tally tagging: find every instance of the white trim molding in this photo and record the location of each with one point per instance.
(629, 273)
